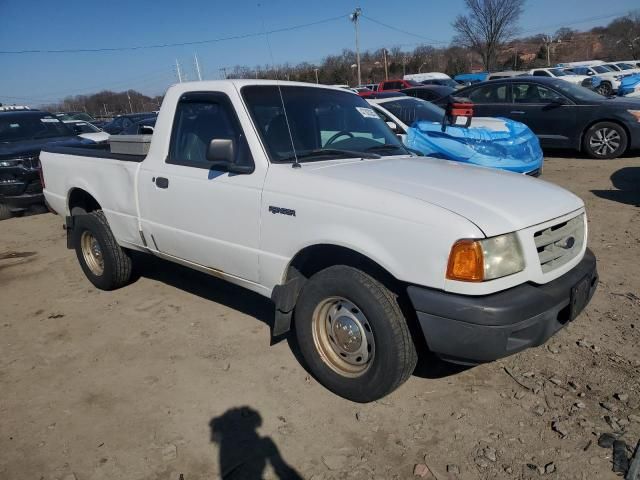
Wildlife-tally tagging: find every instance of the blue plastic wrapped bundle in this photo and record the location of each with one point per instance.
(490, 142)
(630, 86)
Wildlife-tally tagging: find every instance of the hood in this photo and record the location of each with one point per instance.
(622, 102)
(496, 201)
(33, 147)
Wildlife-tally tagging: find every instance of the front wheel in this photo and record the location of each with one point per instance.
(605, 140)
(604, 89)
(353, 335)
(105, 263)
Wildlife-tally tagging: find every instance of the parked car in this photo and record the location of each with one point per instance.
(608, 81)
(397, 84)
(22, 134)
(87, 130)
(430, 93)
(623, 68)
(332, 219)
(489, 142)
(561, 114)
(582, 63)
(371, 86)
(143, 127)
(433, 78)
(118, 124)
(558, 73)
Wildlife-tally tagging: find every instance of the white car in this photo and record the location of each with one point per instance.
(558, 73)
(609, 79)
(433, 78)
(87, 130)
(623, 67)
(301, 193)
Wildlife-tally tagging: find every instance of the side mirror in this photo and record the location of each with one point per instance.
(559, 101)
(145, 130)
(221, 154)
(393, 126)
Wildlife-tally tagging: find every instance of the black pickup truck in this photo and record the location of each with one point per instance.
(22, 134)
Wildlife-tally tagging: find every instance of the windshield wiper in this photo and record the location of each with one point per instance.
(321, 153)
(386, 146)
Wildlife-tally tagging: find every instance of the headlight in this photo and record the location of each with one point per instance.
(480, 260)
(635, 113)
(10, 163)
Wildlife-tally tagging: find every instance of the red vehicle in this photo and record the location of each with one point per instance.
(397, 84)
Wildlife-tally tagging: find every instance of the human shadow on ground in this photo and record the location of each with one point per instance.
(627, 187)
(243, 453)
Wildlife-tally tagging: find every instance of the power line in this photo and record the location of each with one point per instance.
(575, 22)
(178, 44)
(430, 40)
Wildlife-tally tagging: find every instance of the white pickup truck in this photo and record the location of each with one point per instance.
(303, 194)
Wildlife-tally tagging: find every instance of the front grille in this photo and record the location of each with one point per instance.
(560, 243)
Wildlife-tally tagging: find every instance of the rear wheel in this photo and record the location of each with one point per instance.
(353, 335)
(5, 213)
(105, 263)
(605, 140)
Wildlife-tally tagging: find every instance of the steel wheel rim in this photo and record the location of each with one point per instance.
(343, 336)
(603, 89)
(605, 141)
(92, 253)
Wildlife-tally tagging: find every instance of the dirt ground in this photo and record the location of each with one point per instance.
(174, 376)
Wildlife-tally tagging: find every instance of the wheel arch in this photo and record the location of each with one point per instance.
(78, 197)
(314, 258)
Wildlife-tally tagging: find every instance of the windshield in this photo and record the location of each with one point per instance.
(408, 110)
(556, 72)
(322, 123)
(15, 128)
(601, 69)
(85, 117)
(624, 66)
(84, 127)
(576, 91)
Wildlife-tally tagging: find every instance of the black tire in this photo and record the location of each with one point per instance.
(117, 264)
(604, 89)
(605, 140)
(394, 357)
(5, 213)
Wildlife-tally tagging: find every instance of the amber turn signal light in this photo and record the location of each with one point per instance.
(466, 262)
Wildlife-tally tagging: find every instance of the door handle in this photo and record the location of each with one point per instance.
(517, 112)
(161, 182)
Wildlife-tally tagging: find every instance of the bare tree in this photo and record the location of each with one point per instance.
(488, 25)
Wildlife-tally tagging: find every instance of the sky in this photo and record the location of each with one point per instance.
(36, 78)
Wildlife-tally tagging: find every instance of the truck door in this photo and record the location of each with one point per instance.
(193, 212)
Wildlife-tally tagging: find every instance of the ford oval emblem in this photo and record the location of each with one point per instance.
(571, 241)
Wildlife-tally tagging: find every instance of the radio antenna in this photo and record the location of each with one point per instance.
(296, 164)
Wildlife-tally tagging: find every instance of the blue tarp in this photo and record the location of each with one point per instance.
(471, 77)
(514, 148)
(629, 85)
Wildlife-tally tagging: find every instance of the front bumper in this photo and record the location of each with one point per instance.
(476, 329)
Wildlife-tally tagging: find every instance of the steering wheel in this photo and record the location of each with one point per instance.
(341, 133)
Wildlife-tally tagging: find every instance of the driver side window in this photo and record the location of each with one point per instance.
(533, 93)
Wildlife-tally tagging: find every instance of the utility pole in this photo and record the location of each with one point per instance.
(404, 65)
(197, 64)
(515, 58)
(547, 41)
(129, 98)
(386, 72)
(354, 18)
(316, 70)
(178, 71)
